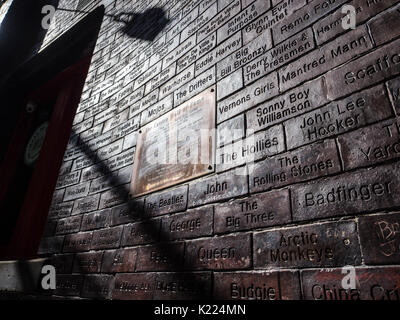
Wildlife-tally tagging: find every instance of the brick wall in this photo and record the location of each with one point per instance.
(315, 105)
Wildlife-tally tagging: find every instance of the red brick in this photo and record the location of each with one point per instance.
(166, 202)
(69, 225)
(385, 27)
(306, 163)
(380, 238)
(107, 238)
(254, 285)
(138, 286)
(141, 233)
(78, 242)
(230, 252)
(371, 145)
(97, 286)
(69, 285)
(182, 286)
(88, 262)
(372, 283)
(260, 211)
(361, 191)
(122, 260)
(339, 117)
(191, 224)
(96, 220)
(364, 71)
(328, 244)
(160, 257)
(62, 263)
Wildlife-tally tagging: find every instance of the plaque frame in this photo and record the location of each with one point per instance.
(161, 140)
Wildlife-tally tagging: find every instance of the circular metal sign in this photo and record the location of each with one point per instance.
(35, 144)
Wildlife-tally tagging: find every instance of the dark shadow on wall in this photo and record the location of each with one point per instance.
(21, 33)
(199, 289)
(146, 25)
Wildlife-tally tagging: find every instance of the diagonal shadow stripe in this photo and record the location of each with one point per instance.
(151, 226)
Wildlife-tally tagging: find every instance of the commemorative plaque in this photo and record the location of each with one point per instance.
(176, 147)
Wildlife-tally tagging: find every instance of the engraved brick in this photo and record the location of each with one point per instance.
(68, 225)
(197, 52)
(88, 262)
(123, 260)
(179, 51)
(160, 257)
(166, 202)
(230, 84)
(218, 53)
(68, 179)
(303, 18)
(177, 81)
(78, 242)
(260, 211)
(219, 187)
(197, 23)
(229, 252)
(97, 286)
(280, 12)
(303, 164)
(96, 220)
(278, 56)
(221, 18)
(197, 85)
(127, 212)
(385, 27)
(394, 89)
(243, 18)
(69, 285)
(191, 224)
(362, 191)
(141, 233)
(380, 238)
(255, 147)
(327, 244)
(259, 286)
(113, 197)
(77, 191)
(107, 238)
(134, 286)
(147, 75)
(62, 263)
(125, 128)
(364, 71)
(230, 131)
(295, 102)
(372, 283)
(110, 150)
(325, 58)
(183, 22)
(86, 204)
(338, 117)
(156, 110)
(248, 97)
(255, 49)
(158, 80)
(50, 245)
(331, 26)
(371, 145)
(123, 159)
(182, 286)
